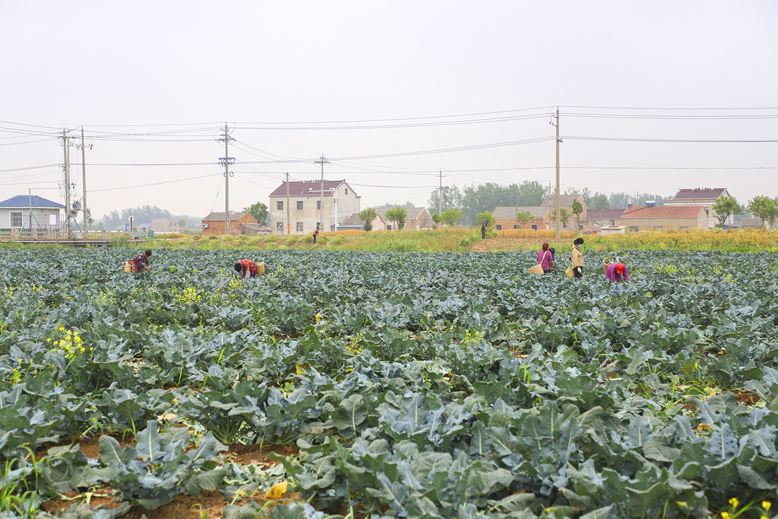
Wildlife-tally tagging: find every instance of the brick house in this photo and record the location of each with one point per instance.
(417, 218)
(565, 202)
(506, 217)
(702, 196)
(603, 218)
(214, 223)
(660, 218)
(304, 211)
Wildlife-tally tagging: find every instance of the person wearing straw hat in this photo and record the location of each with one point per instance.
(617, 272)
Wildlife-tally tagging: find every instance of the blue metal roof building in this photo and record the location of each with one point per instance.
(27, 201)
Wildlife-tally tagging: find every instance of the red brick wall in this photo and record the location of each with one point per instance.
(218, 227)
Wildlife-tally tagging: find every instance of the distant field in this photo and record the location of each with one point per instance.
(469, 240)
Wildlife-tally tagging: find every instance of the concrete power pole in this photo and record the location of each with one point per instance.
(440, 195)
(66, 146)
(558, 216)
(322, 161)
(83, 171)
(288, 209)
(226, 160)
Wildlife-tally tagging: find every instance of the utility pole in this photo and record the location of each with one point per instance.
(322, 161)
(83, 170)
(558, 140)
(66, 146)
(440, 195)
(288, 209)
(226, 160)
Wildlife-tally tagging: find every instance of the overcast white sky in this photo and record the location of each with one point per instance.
(375, 87)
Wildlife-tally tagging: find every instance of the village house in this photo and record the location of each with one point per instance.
(506, 218)
(661, 218)
(301, 213)
(566, 203)
(702, 196)
(597, 218)
(25, 212)
(416, 219)
(353, 222)
(167, 225)
(215, 224)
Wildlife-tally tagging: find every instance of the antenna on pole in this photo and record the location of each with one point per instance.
(226, 161)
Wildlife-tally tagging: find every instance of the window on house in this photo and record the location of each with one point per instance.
(319, 226)
(683, 227)
(613, 222)
(280, 206)
(318, 205)
(300, 205)
(300, 226)
(389, 227)
(633, 229)
(279, 226)
(658, 228)
(16, 219)
(534, 227)
(346, 190)
(499, 227)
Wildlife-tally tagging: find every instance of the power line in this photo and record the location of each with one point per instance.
(157, 183)
(636, 139)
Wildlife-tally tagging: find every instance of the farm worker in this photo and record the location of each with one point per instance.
(552, 250)
(617, 272)
(141, 261)
(545, 259)
(576, 258)
(246, 268)
(315, 234)
(483, 231)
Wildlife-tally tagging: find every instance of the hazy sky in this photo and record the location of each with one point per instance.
(391, 92)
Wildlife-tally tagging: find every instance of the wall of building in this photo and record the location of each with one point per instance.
(218, 226)
(504, 224)
(336, 208)
(650, 224)
(40, 217)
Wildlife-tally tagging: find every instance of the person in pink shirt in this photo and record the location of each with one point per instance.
(617, 272)
(545, 259)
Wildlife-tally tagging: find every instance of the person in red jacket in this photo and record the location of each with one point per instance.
(246, 268)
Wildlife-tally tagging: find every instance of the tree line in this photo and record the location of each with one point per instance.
(476, 199)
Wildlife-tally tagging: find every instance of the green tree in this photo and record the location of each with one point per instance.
(182, 223)
(398, 216)
(447, 198)
(485, 197)
(523, 218)
(258, 211)
(724, 207)
(763, 207)
(486, 217)
(564, 216)
(367, 216)
(451, 216)
(577, 211)
(436, 218)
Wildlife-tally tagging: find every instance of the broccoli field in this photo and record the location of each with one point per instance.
(403, 384)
